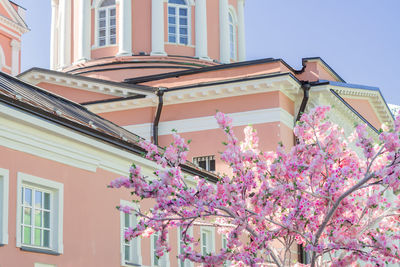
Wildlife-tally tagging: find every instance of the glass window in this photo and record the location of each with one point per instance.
(162, 261)
(178, 22)
(183, 263)
(130, 250)
(232, 37)
(225, 246)
(35, 217)
(207, 240)
(206, 162)
(39, 213)
(107, 23)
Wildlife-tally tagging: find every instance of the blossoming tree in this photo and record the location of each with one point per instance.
(320, 194)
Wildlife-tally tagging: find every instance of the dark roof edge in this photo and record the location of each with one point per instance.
(259, 77)
(326, 65)
(143, 88)
(354, 111)
(94, 133)
(202, 70)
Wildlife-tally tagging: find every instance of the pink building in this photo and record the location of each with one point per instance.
(129, 68)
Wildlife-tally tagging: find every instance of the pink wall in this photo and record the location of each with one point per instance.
(141, 30)
(213, 29)
(365, 109)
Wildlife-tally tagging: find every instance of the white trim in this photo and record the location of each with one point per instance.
(84, 21)
(57, 208)
(201, 29)
(224, 31)
(187, 263)
(157, 28)
(241, 31)
(234, 23)
(137, 239)
(13, 34)
(208, 230)
(19, 24)
(2, 58)
(106, 156)
(4, 192)
(125, 28)
(15, 48)
(209, 123)
(162, 261)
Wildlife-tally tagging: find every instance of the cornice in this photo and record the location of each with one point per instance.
(13, 25)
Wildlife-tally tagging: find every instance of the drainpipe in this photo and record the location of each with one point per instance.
(160, 94)
(306, 90)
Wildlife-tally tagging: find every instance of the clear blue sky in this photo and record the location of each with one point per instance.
(359, 39)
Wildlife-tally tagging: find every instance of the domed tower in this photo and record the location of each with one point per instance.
(119, 39)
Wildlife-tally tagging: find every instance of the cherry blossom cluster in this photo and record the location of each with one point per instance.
(340, 204)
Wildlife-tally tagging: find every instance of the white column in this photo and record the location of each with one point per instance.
(201, 29)
(64, 44)
(157, 28)
(53, 38)
(125, 28)
(224, 31)
(84, 31)
(15, 48)
(241, 35)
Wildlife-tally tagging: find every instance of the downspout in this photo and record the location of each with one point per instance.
(306, 95)
(160, 94)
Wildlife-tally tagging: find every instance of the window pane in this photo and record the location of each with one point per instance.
(38, 199)
(172, 39)
(112, 31)
(102, 33)
(112, 22)
(212, 165)
(46, 219)
(102, 23)
(28, 197)
(179, 2)
(102, 42)
(38, 237)
(183, 31)
(171, 10)
(27, 235)
(155, 260)
(27, 216)
(127, 253)
(113, 40)
(183, 11)
(47, 201)
(183, 40)
(202, 164)
(46, 238)
(171, 20)
(183, 21)
(127, 223)
(38, 218)
(171, 30)
(112, 12)
(102, 14)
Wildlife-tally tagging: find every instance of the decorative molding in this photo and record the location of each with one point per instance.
(209, 123)
(18, 25)
(285, 84)
(35, 77)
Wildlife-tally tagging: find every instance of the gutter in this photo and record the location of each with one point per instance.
(160, 94)
(306, 90)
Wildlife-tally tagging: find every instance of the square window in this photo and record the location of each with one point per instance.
(171, 39)
(39, 213)
(171, 10)
(183, 12)
(130, 250)
(183, 40)
(4, 206)
(206, 162)
(171, 29)
(171, 20)
(183, 21)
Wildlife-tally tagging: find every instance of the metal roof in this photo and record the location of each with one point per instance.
(57, 109)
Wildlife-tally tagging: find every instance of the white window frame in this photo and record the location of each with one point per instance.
(234, 24)
(4, 193)
(189, 25)
(164, 260)
(136, 240)
(207, 159)
(210, 231)
(223, 238)
(187, 263)
(56, 210)
(96, 6)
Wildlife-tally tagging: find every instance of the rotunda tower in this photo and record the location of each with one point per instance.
(119, 39)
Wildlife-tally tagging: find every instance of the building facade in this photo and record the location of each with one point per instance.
(130, 69)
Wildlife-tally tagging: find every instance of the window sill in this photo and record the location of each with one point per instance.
(40, 250)
(94, 47)
(131, 264)
(177, 44)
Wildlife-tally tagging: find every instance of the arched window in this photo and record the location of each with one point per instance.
(178, 22)
(107, 23)
(232, 36)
